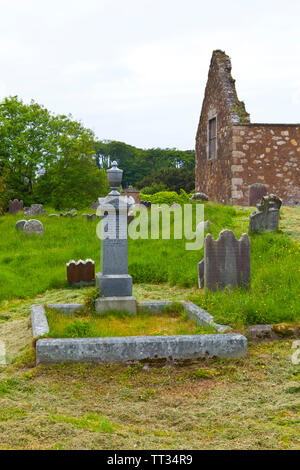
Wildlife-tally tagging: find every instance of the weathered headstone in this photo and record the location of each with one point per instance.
(266, 218)
(34, 226)
(15, 206)
(113, 281)
(199, 197)
(256, 192)
(81, 273)
(33, 210)
(20, 224)
(226, 261)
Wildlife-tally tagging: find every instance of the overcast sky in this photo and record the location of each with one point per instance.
(135, 70)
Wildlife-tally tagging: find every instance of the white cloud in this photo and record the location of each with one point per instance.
(136, 70)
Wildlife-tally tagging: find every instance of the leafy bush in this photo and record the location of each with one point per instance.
(71, 182)
(166, 197)
(154, 188)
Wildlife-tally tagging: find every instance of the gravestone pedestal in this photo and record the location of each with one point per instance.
(114, 282)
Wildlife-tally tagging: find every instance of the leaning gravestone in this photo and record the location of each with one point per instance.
(226, 261)
(266, 218)
(15, 206)
(256, 192)
(34, 226)
(20, 224)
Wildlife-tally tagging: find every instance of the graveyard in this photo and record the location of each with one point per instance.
(149, 229)
(209, 402)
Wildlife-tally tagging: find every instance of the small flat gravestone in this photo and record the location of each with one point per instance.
(266, 218)
(226, 261)
(34, 226)
(20, 224)
(15, 206)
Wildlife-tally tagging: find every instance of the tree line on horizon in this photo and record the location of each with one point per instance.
(54, 160)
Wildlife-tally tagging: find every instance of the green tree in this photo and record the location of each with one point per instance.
(32, 139)
(72, 182)
(138, 163)
(171, 179)
(2, 194)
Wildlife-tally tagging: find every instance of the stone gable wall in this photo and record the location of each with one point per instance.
(267, 154)
(213, 177)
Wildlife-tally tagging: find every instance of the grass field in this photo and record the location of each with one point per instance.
(31, 265)
(251, 403)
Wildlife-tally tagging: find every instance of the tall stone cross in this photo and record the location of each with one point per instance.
(113, 280)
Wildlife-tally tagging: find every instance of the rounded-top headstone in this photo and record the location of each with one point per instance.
(20, 224)
(34, 226)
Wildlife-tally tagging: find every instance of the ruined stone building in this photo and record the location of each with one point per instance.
(232, 153)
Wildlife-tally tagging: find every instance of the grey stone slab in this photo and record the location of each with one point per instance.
(128, 304)
(114, 256)
(140, 348)
(261, 332)
(39, 321)
(114, 285)
(66, 308)
(155, 306)
(203, 318)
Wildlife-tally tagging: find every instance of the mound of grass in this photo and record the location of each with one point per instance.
(116, 323)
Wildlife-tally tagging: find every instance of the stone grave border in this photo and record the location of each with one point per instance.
(132, 349)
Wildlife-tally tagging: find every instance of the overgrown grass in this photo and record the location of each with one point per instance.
(117, 323)
(30, 265)
(274, 296)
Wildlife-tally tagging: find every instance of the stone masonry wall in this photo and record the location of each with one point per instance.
(213, 177)
(267, 154)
